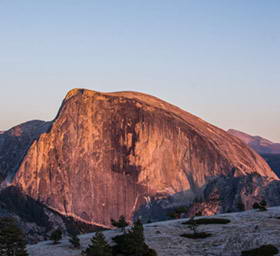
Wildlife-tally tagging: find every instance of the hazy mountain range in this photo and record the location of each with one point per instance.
(259, 144)
(268, 150)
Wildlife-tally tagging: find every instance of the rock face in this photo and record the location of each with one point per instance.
(225, 194)
(108, 154)
(15, 142)
(259, 144)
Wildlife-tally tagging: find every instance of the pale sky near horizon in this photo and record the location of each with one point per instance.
(219, 60)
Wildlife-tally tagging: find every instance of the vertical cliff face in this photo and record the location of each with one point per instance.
(107, 154)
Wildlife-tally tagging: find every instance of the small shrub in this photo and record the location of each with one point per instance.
(206, 221)
(176, 213)
(56, 236)
(265, 250)
(260, 206)
(198, 235)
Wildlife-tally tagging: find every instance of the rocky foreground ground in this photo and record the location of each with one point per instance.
(247, 230)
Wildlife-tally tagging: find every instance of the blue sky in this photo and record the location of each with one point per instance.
(219, 60)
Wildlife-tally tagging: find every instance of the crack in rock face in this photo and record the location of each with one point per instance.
(106, 153)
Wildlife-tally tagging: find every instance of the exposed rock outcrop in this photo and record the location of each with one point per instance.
(108, 154)
(225, 194)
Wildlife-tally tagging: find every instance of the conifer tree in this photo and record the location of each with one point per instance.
(12, 242)
(133, 242)
(74, 240)
(98, 246)
(56, 236)
(121, 223)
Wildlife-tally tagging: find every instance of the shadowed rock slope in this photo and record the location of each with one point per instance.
(108, 154)
(15, 142)
(35, 219)
(274, 162)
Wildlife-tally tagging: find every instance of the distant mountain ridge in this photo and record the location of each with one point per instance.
(268, 150)
(259, 144)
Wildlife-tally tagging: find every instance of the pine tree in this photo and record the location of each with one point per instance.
(121, 223)
(98, 246)
(137, 239)
(74, 240)
(12, 242)
(56, 236)
(133, 243)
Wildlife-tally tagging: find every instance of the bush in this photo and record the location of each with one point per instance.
(206, 221)
(265, 250)
(260, 206)
(198, 235)
(176, 213)
(12, 240)
(121, 223)
(56, 236)
(98, 246)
